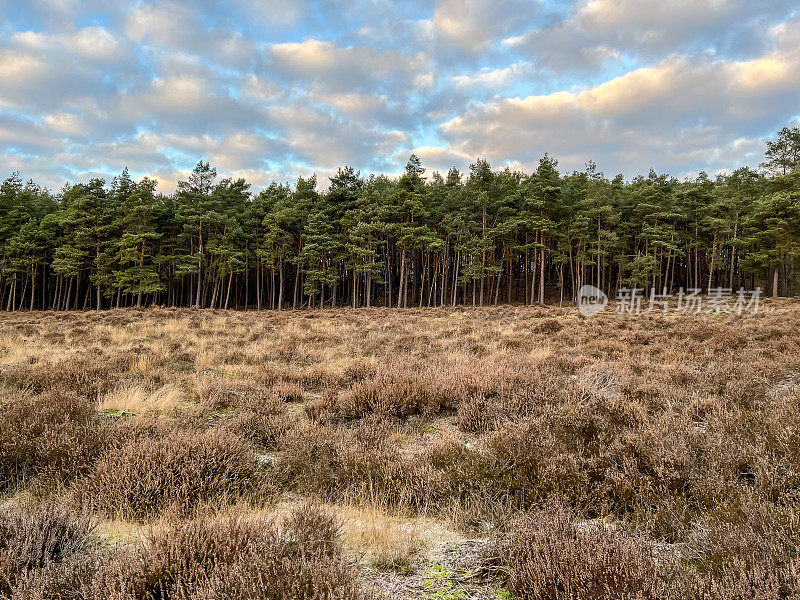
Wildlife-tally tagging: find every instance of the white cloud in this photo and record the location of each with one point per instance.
(321, 139)
(186, 103)
(266, 88)
(474, 25)
(668, 115)
(96, 43)
(495, 79)
(345, 68)
(65, 123)
(175, 24)
(604, 30)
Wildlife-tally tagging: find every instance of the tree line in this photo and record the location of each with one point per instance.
(477, 238)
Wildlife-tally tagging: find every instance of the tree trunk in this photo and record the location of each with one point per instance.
(258, 284)
(533, 273)
(775, 282)
(280, 285)
(69, 293)
(401, 288)
(711, 263)
(228, 295)
(296, 286)
(199, 264)
(455, 276)
(355, 287)
(541, 275)
(733, 250)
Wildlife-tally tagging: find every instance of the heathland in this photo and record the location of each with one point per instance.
(443, 453)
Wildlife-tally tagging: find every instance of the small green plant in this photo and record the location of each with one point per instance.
(440, 585)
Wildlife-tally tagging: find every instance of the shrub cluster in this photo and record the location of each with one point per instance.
(171, 469)
(550, 556)
(740, 552)
(234, 559)
(46, 552)
(50, 553)
(54, 437)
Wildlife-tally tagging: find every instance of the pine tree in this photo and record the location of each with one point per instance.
(196, 212)
(137, 273)
(773, 234)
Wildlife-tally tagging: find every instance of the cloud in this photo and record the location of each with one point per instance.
(668, 116)
(186, 103)
(320, 138)
(474, 25)
(279, 88)
(178, 26)
(273, 12)
(345, 68)
(495, 79)
(66, 123)
(97, 43)
(54, 71)
(600, 31)
(26, 136)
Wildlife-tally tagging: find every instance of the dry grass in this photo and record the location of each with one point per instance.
(384, 540)
(684, 431)
(138, 400)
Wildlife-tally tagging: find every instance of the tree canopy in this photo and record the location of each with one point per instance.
(421, 239)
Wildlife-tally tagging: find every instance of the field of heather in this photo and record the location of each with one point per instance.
(442, 454)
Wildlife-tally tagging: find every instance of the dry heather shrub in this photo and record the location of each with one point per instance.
(548, 325)
(55, 436)
(605, 454)
(46, 552)
(549, 556)
(402, 388)
(310, 459)
(466, 470)
(287, 391)
(782, 438)
(259, 415)
(261, 425)
(235, 559)
(358, 465)
(179, 470)
(217, 393)
(88, 377)
(324, 409)
(532, 463)
(746, 550)
(398, 390)
(478, 415)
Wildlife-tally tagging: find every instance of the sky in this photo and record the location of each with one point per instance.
(276, 89)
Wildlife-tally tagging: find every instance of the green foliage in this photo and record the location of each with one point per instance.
(415, 240)
(438, 582)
